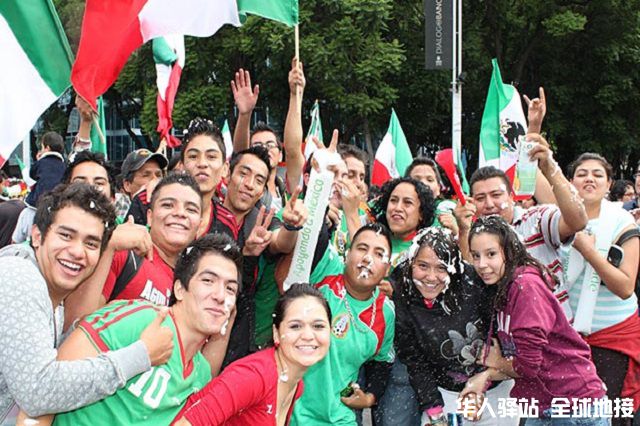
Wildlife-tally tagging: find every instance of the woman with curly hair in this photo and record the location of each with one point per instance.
(441, 326)
(405, 206)
(537, 346)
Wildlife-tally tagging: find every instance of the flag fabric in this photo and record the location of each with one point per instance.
(446, 160)
(393, 155)
(112, 30)
(97, 143)
(24, 172)
(503, 125)
(315, 129)
(285, 11)
(228, 139)
(35, 70)
(169, 56)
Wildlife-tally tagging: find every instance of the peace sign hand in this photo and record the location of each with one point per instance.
(295, 213)
(260, 236)
(322, 156)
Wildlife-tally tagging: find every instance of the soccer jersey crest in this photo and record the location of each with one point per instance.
(340, 325)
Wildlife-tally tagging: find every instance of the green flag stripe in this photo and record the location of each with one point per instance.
(37, 28)
(403, 152)
(498, 98)
(162, 52)
(285, 11)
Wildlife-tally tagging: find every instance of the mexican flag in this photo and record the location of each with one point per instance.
(112, 30)
(393, 155)
(169, 56)
(315, 129)
(285, 11)
(228, 139)
(503, 125)
(35, 69)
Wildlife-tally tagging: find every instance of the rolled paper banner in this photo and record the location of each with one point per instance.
(316, 200)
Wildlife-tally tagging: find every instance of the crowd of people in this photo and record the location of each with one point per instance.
(160, 296)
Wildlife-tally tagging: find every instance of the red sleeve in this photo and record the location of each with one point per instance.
(117, 265)
(531, 323)
(240, 387)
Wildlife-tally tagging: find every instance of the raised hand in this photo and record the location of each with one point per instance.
(131, 236)
(322, 150)
(464, 214)
(260, 236)
(158, 339)
(244, 97)
(295, 212)
(537, 109)
(297, 80)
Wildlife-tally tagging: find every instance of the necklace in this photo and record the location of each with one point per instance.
(353, 318)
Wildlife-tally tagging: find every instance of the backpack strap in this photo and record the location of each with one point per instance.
(627, 235)
(131, 268)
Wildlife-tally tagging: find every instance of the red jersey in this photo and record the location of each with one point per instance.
(134, 277)
(246, 393)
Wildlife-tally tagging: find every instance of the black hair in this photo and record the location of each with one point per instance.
(618, 189)
(591, 156)
(88, 156)
(188, 261)
(425, 161)
(260, 127)
(346, 151)
(175, 160)
(442, 242)
(81, 195)
(259, 151)
(182, 178)
(202, 127)
(489, 172)
(376, 227)
(296, 291)
(425, 197)
(515, 255)
(53, 141)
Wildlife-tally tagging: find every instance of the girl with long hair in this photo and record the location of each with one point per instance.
(261, 389)
(535, 344)
(441, 326)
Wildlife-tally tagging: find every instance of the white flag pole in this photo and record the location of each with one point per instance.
(456, 86)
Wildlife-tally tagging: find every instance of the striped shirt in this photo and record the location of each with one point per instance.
(610, 309)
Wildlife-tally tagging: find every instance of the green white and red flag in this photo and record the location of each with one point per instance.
(169, 56)
(35, 70)
(504, 125)
(393, 155)
(315, 130)
(112, 30)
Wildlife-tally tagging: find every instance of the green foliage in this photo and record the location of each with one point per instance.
(363, 57)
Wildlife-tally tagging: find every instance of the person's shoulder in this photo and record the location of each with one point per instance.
(123, 311)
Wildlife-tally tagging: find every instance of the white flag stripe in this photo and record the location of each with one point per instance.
(25, 95)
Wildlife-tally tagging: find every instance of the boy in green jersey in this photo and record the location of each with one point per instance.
(206, 283)
(362, 330)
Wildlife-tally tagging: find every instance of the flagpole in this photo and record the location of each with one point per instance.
(26, 151)
(297, 53)
(99, 130)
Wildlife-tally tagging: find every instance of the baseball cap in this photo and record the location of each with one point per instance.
(138, 158)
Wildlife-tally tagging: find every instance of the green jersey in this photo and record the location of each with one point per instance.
(151, 398)
(361, 330)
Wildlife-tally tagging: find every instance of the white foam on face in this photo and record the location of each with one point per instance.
(504, 205)
(31, 422)
(364, 273)
(503, 187)
(223, 329)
